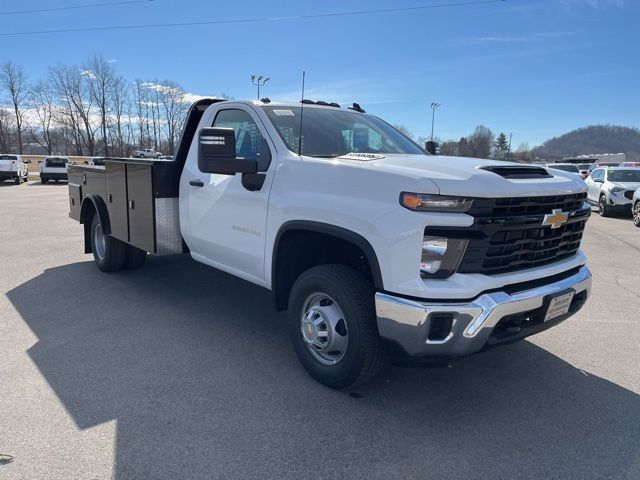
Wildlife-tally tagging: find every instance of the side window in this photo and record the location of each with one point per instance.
(249, 141)
(597, 174)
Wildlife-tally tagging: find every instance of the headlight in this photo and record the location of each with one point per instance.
(423, 202)
(441, 256)
(616, 190)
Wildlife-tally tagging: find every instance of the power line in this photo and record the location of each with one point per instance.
(253, 20)
(75, 7)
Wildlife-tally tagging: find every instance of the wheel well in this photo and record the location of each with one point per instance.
(298, 249)
(93, 205)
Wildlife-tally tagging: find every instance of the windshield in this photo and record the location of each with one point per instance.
(624, 176)
(584, 166)
(332, 133)
(98, 161)
(565, 168)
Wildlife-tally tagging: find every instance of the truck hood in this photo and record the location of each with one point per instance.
(463, 176)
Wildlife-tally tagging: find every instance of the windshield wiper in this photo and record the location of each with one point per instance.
(328, 155)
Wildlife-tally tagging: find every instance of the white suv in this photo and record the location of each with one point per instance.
(53, 168)
(612, 188)
(14, 168)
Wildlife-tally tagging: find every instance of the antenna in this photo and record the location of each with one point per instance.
(301, 111)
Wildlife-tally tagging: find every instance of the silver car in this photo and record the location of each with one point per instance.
(612, 188)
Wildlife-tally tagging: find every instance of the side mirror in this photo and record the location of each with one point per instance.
(431, 147)
(217, 153)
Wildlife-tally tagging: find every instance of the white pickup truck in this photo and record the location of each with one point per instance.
(12, 167)
(146, 153)
(370, 243)
(54, 168)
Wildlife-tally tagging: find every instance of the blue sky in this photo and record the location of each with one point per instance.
(537, 68)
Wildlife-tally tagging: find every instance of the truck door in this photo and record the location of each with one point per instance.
(226, 220)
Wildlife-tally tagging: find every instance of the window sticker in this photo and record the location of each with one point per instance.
(283, 113)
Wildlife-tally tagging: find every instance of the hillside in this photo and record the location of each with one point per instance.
(593, 139)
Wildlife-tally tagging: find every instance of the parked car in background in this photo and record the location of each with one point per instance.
(635, 208)
(584, 169)
(146, 153)
(53, 168)
(96, 161)
(613, 188)
(630, 164)
(12, 167)
(601, 164)
(566, 167)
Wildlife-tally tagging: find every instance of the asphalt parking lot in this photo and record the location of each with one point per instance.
(180, 371)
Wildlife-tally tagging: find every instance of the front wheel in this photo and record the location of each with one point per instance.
(43, 181)
(109, 253)
(332, 323)
(603, 208)
(636, 214)
(18, 180)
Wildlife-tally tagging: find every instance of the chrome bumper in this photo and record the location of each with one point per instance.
(407, 322)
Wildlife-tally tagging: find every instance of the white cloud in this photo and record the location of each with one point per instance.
(597, 4)
(87, 73)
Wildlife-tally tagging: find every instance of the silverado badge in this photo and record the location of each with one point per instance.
(555, 219)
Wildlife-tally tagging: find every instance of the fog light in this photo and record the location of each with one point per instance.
(441, 256)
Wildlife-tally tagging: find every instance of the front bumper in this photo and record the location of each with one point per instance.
(8, 174)
(475, 325)
(619, 200)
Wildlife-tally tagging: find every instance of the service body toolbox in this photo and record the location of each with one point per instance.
(141, 197)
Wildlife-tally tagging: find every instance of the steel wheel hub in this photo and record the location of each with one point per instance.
(99, 241)
(324, 329)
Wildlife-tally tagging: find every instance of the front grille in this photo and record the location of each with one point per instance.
(508, 235)
(498, 207)
(629, 194)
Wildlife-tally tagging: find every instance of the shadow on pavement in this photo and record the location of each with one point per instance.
(197, 369)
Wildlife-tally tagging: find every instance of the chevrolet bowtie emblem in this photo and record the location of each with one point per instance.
(555, 219)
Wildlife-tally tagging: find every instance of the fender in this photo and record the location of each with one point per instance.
(89, 203)
(339, 232)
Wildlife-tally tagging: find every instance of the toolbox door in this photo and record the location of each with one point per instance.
(116, 199)
(140, 207)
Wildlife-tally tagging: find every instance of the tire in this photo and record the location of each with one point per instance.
(18, 180)
(43, 180)
(135, 258)
(108, 252)
(332, 306)
(603, 208)
(636, 214)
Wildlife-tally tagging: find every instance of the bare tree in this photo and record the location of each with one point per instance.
(73, 92)
(480, 142)
(5, 130)
(15, 82)
(174, 111)
(43, 103)
(100, 76)
(119, 100)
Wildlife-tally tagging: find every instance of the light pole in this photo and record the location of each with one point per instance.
(259, 82)
(434, 107)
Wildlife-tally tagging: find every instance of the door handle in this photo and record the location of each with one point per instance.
(196, 183)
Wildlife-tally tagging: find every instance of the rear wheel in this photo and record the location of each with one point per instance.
(333, 327)
(18, 180)
(43, 180)
(109, 253)
(636, 214)
(603, 208)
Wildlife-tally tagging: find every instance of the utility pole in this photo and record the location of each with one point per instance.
(434, 107)
(259, 82)
(509, 152)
